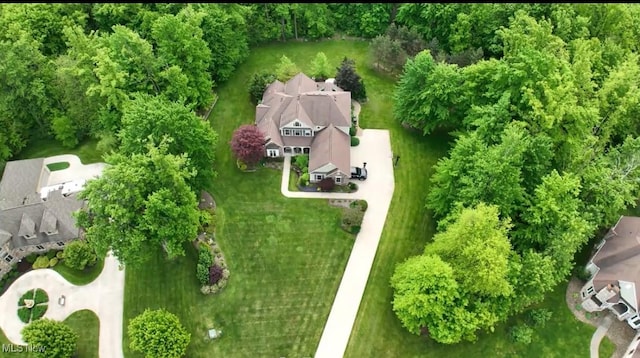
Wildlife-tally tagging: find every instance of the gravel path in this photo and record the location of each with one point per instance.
(619, 333)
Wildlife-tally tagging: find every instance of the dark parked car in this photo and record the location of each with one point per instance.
(358, 173)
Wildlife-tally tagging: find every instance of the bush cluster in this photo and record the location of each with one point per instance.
(539, 317)
(41, 262)
(522, 334)
(205, 260)
(352, 216)
(304, 179)
(326, 184)
(355, 141)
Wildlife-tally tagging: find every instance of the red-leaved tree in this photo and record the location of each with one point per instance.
(247, 144)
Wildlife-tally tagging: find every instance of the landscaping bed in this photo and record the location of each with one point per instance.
(32, 305)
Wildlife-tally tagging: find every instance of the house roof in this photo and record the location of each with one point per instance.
(303, 99)
(36, 219)
(618, 260)
(20, 181)
(330, 146)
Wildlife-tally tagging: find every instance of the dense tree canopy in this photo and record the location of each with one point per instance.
(545, 133)
(462, 281)
(149, 119)
(140, 203)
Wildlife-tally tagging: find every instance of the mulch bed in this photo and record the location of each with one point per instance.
(206, 201)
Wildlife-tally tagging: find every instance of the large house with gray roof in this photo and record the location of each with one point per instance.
(615, 273)
(36, 213)
(302, 116)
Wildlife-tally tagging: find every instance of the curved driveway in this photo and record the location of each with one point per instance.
(104, 296)
(377, 190)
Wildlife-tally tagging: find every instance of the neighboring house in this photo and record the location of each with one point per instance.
(615, 273)
(35, 210)
(303, 116)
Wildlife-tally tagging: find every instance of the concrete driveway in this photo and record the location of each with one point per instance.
(76, 170)
(104, 296)
(377, 190)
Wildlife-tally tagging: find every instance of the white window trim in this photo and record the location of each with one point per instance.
(287, 132)
(338, 180)
(307, 133)
(319, 176)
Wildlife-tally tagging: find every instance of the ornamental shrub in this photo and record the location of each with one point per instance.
(304, 179)
(352, 131)
(53, 262)
(355, 141)
(215, 274)
(539, 317)
(522, 334)
(326, 184)
(41, 262)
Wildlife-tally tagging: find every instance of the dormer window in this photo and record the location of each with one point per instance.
(297, 124)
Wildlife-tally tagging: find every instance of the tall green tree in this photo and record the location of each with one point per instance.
(79, 112)
(320, 67)
(140, 204)
(429, 94)
(469, 267)
(25, 103)
(149, 119)
(179, 42)
(286, 69)
(225, 30)
(349, 80)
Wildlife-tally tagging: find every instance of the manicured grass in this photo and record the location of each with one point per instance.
(80, 277)
(38, 148)
(293, 179)
(286, 259)
(286, 256)
(85, 323)
(58, 166)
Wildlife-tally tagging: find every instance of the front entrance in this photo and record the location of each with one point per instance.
(272, 152)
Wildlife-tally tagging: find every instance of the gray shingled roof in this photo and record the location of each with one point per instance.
(27, 225)
(49, 222)
(4, 237)
(619, 258)
(59, 206)
(330, 146)
(19, 182)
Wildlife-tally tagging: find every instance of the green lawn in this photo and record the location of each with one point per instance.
(85, 323)
(80, 277)
(58, 166)
(286, 256)
(38, 148)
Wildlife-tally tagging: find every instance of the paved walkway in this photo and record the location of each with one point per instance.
(75, 171)
(603, 327)
(104, 296)
(377, 190)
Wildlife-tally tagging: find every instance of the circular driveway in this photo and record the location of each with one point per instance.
(104, 296)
